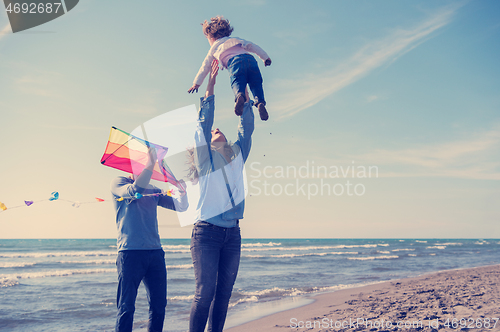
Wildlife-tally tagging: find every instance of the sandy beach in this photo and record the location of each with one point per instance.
(455, 300)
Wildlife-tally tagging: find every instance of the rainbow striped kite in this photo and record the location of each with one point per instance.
(129, 153)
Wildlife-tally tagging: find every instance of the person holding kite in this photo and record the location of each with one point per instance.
(140, 254)
(217, 165)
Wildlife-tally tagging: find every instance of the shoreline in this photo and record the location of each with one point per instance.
(424, 303)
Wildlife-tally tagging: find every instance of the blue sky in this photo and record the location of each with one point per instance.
(408, 87)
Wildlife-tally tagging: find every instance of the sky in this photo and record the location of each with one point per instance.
(384, 116)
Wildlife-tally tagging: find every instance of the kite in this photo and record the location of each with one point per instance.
(76, 204)
(53, 196)
(129, 153)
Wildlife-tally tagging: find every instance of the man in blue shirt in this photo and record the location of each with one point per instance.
(140, 254)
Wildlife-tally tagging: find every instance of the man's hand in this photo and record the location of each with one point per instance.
(183, 185)
(268, 62)
(151, 158)
(214, 71)
(194, 88)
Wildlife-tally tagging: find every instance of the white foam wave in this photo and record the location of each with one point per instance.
(177, 246)
(8, 282)
(184, 266)
(177, 251)
(383, 244)
(450, 244)
(311, 248)
(93, 262)
(276, 292)
(420, 241)
(436, 247)
(404, 249)
(58, 254)
(181, 298)
(54, 273)
(302, 255)
(19, 264)
(372, 258)
(270, 244)
(383, 252)
(412, 255)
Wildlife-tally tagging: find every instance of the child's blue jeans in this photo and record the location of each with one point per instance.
(244, 70)
(149, 267)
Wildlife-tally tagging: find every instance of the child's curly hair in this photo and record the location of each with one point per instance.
(217, 28)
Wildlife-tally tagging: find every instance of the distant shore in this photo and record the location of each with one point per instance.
(454, 300)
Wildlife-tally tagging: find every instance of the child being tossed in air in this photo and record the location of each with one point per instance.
(232, 53)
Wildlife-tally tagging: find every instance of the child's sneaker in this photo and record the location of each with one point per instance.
(238, 107)
(262, 112)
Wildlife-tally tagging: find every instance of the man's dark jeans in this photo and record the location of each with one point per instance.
(135, 266)
(216, 257)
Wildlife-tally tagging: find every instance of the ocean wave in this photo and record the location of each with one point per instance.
(8, 282)
(270, 244)
(19, 264)
(54, 273)
(58, 254)
(184, 266)
(307, 248)
(383, 252)
(412, 255)
(383, 244)
(420, 241)
(93, 262)
(436, 247)
(177, 251)
(404, 249)
(181, 298)
(372, 258)
(302, 255)
(450, 244)
(277, 293)
(176, 246)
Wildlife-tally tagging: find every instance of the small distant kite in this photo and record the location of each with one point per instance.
(129, 153)
(53, 197)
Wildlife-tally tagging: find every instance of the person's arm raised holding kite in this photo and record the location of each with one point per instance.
(140, 253)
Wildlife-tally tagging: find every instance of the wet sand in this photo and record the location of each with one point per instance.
(455, 300)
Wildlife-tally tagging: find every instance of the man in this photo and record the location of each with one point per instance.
(140, 254)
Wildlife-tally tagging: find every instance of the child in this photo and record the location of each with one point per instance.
(243, 68)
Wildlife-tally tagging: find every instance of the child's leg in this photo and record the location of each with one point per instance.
(254, 79)
(238, 76)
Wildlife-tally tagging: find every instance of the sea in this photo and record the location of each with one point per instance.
(70, 284)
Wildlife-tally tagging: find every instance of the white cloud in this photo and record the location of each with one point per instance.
(39, 84)
(5, 31)
(308, 91)
(472, 158)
